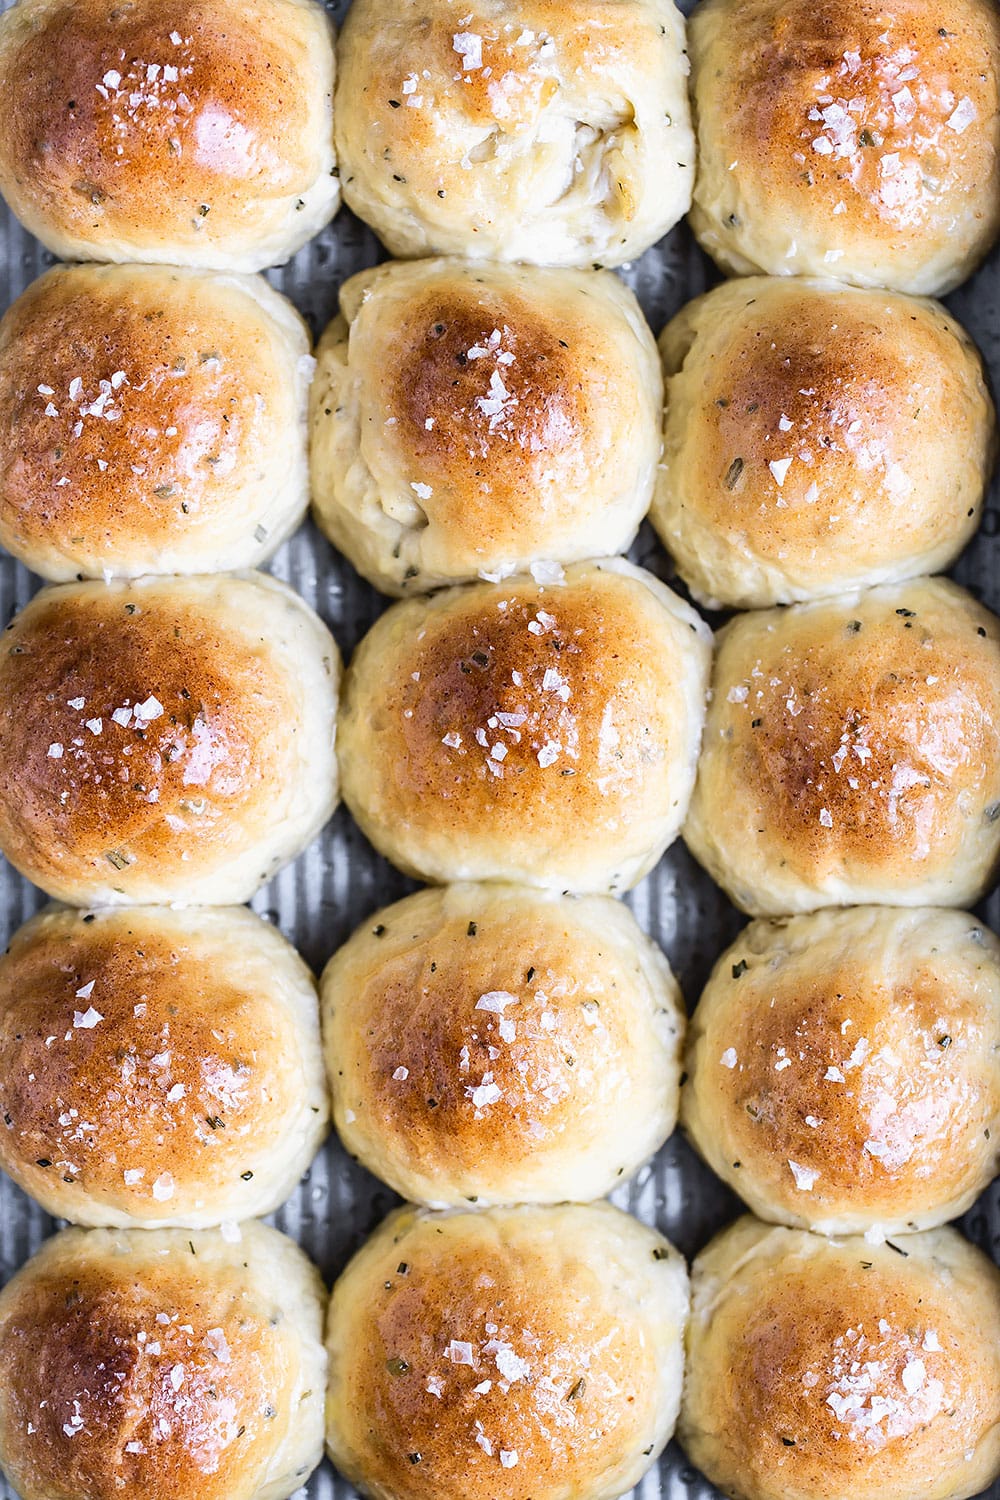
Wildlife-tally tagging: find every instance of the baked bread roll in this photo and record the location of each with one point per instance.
(190, 132)
(492, 1044)
(152, 420)
(843, 1370)
(538, 733)
(818, 438)
(852, 753)
(852, 140)
(158, 1067)
(162, 1364)
(544, 131)
(165, 740)
(519, 1351)
(473, 420)
(843, 1069)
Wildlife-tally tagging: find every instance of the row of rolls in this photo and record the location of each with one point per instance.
(492, 1051)
(859, 141)
(168, 728)
(529, 727)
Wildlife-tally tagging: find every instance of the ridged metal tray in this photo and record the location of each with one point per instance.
(340, 879)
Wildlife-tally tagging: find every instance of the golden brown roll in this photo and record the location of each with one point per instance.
(844, 1069)
(152, 420)
(549, 131)
(852, 753)
(158, 1067)
(818, 438)
(192, 132)
(517, 1352)
(854, 140)
(164, 740)
(493, 1044)
(474, 420)
(530, 732)
(843, 1370)
(162, 1364)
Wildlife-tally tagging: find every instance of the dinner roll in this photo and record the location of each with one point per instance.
(852, 753)
(818, 438)
(191, 132)
(847, 138)
(164, 740)
(517, 1352)
(501, 1045)
(844, 1068)
(552, 131)
(157, 1066)
(166, 1364)
(474, 420)
(843, 1370)
(528, 732)
(152, 420)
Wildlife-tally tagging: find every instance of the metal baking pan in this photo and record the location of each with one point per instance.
(340, 880)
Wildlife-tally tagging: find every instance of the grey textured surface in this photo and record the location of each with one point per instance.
(340, 880)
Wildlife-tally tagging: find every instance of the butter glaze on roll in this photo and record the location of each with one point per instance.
(472, 419)
(188, 132)
(152, 420)
(537, 733)
(853, 140)
(852, 753)
(818, 438)
(158, 1067)
(164, 740)
(843, 1068)
(550, 131)
(161, 1364)
(516, 1352)
(843, 1370)
(501, 1045)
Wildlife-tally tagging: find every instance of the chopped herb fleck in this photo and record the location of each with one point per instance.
(733, 473)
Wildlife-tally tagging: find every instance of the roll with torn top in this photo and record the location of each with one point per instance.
(474, 420)
(550, 131)
(543, 733)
